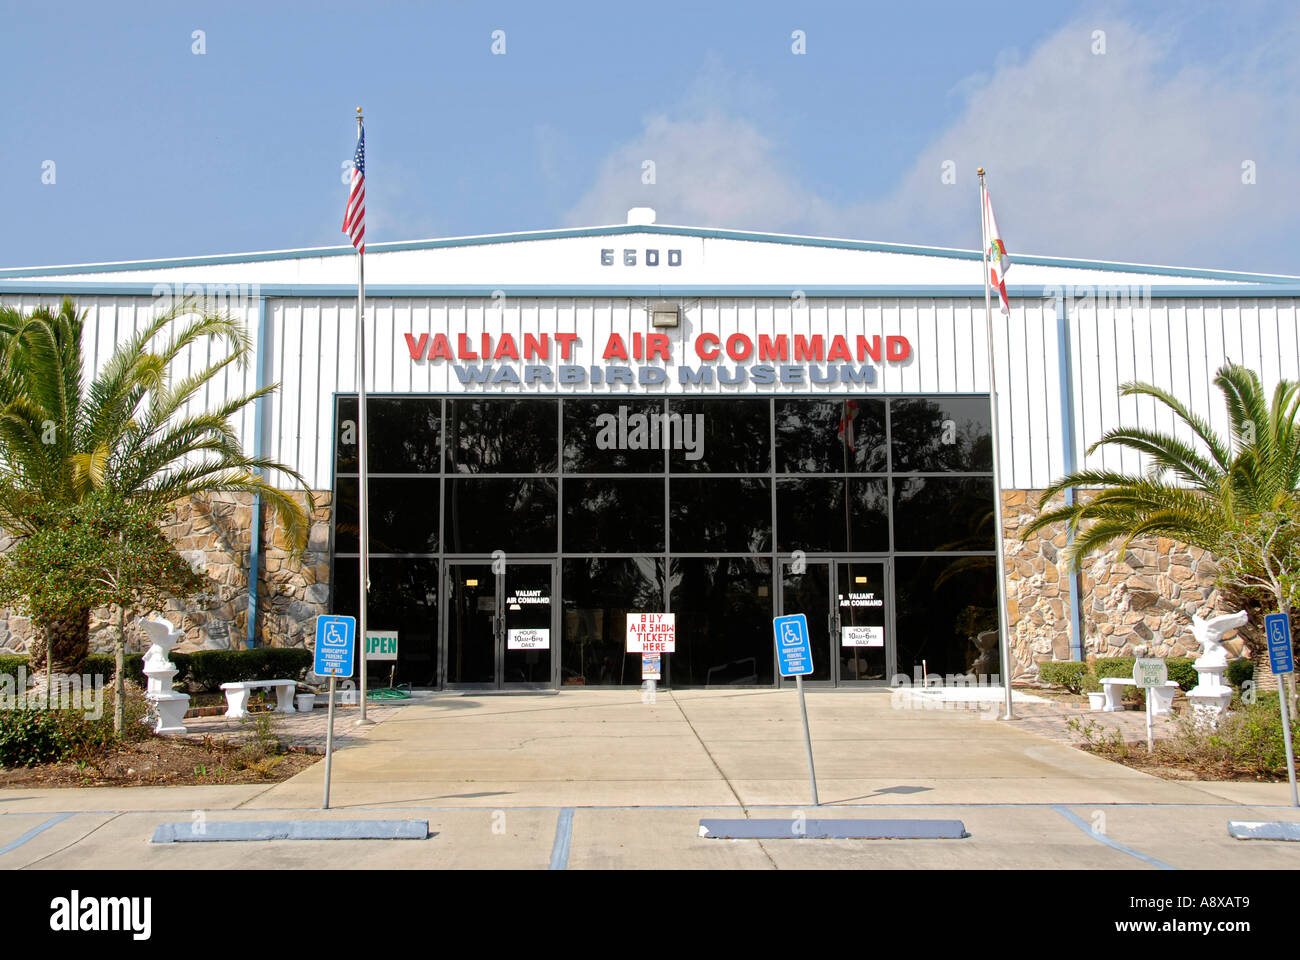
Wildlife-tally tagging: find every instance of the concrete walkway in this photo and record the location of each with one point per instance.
(601, 779)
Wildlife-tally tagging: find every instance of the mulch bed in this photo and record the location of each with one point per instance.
(1167, 767)
(171, 761)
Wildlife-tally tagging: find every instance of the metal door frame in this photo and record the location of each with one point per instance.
(891, 652)
(498, 683)
(833, 617)
(829, 563)
(553, 648)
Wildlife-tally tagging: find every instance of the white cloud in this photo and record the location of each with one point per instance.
(711, 171)
(1132, 155)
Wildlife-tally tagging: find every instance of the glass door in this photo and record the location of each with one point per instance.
(471, 625)
(806, 589)
(861, 615)
(527, 640)
(847, 606)
(499, 626)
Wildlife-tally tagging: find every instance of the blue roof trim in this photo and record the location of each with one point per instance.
(624, 229)
(615, 291)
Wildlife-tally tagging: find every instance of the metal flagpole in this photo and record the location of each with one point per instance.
(1003, 633)
(363, 478)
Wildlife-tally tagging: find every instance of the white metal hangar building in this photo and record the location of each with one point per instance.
(570, 425)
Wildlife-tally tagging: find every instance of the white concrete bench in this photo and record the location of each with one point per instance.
(1162, 697)
(237, 695)
(1113, 687)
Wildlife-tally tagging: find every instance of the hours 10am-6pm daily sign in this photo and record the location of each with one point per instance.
(794, 657)
(335, 648)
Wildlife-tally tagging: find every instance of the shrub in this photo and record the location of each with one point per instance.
(1180, 669)
(1113, 667)
(209, 669)
(29, 737)
(1090, 683)
(9, 665)
(205, 669)
(1064, 673)
(104, 664)
(1239, 671)
(1250, 736)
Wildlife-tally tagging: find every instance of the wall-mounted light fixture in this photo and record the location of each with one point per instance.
(665, 314)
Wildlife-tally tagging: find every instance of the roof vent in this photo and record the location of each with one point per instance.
(641, 216)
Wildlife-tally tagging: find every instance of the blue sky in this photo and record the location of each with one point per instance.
(1134, 151)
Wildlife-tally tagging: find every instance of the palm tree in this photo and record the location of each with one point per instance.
(1199, 493)
(129, 433)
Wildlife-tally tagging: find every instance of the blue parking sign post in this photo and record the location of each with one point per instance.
(1277, 627)
(794, 657)
(335, 643)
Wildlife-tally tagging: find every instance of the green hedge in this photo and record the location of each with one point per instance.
(29, 737)
(1180, 669)
(209, 669)
(1239, 671)
(101, 663)
(1064, 673)
(206, 669)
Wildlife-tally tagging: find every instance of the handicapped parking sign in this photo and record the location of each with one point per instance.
(1278, 628)
(335, 642)
(793, 648)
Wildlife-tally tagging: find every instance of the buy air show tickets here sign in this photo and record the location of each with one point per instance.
(651, 632)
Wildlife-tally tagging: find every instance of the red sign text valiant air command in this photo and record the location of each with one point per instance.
(786, 359)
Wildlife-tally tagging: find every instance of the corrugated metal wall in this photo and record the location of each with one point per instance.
(113, 319)
(1176, 343)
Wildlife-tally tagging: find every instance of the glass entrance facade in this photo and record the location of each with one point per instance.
(510, 536)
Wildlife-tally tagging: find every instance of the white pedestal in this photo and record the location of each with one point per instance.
(169, 705)
(1211, 696)
(1162, 698)
(171, 709)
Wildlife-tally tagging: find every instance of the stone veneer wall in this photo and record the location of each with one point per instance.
(212, 532)
(1147, 599)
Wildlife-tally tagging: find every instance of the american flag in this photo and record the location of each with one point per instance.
(354, 218)
(845, 431)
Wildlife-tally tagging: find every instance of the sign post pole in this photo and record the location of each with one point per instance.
(1290, 753)
(794, 658)
(1149, 673)
(807, 739)
(1150, 738)
(335, 648)
(329, 748)
(1277, 627)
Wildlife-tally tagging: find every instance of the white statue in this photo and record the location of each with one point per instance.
(1209, 633)
(1211, 696)
(169, 706)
